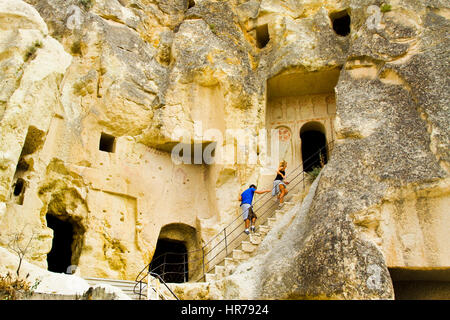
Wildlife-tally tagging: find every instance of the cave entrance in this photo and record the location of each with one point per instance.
(170, 261)
(420, 284)
(262, 36)
(60, 256)
(313, 146)
(341, 23)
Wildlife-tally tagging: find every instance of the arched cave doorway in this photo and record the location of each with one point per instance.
(171, 261)
(60, 256)
(314, 145)
(176, 254)
(420, 284)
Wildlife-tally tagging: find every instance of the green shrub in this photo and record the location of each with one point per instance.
(14, 288)
(386, 7)
(314, 173)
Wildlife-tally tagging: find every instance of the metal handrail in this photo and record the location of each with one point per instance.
(205, 251)
(160, 279)
(330, 144)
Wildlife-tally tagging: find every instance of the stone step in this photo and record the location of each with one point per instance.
(209, 277)
(264, 229)
(113, 282)
(289, 204)
(279, 213)
(228, 266)
(240, 255)
(271, 221)
(220, 271)
(256, 237)
(249, 247)
(126, 286)
(298, 197)
(230, 263)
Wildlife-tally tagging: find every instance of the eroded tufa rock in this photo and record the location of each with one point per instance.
(94, 95)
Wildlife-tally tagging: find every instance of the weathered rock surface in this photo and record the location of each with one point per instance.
(46, 282)
(74, 72)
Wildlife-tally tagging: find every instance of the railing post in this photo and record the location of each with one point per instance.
(184, 266)
(148, 286)
(303, 180)
(203, 263)
(140, 289)
(226, 245)
(164, 266)
(158, 290)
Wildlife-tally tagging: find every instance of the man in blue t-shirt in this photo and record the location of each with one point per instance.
(246, 199)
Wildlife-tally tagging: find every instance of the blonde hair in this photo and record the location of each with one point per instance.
(283, 163)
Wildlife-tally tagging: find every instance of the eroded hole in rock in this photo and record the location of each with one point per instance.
(314, 153)
(191, 3)
(34, 140)
(19, 187)
(262, 36)
(416, 284)
(60, 256)
(107, 143)
(341, 23)
(170, 261)
(19, 191)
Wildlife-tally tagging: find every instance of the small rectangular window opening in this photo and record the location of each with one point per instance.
(107, 143)
(262, 36)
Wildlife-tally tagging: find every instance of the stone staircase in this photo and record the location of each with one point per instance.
(125, 285)
(248, 247)
(245, 250)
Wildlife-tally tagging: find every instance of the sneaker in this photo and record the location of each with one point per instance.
(253, 229)
(247, 231)
(280, 205)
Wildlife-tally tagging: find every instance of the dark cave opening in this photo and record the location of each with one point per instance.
(170, 261)
(107, 142)
(341, 23)
(420, 284)
(19, 191)
(19, 187)
(60, 256)
(262, 36)
(314, 153)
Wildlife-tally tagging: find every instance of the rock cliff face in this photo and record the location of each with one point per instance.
(94, 95)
